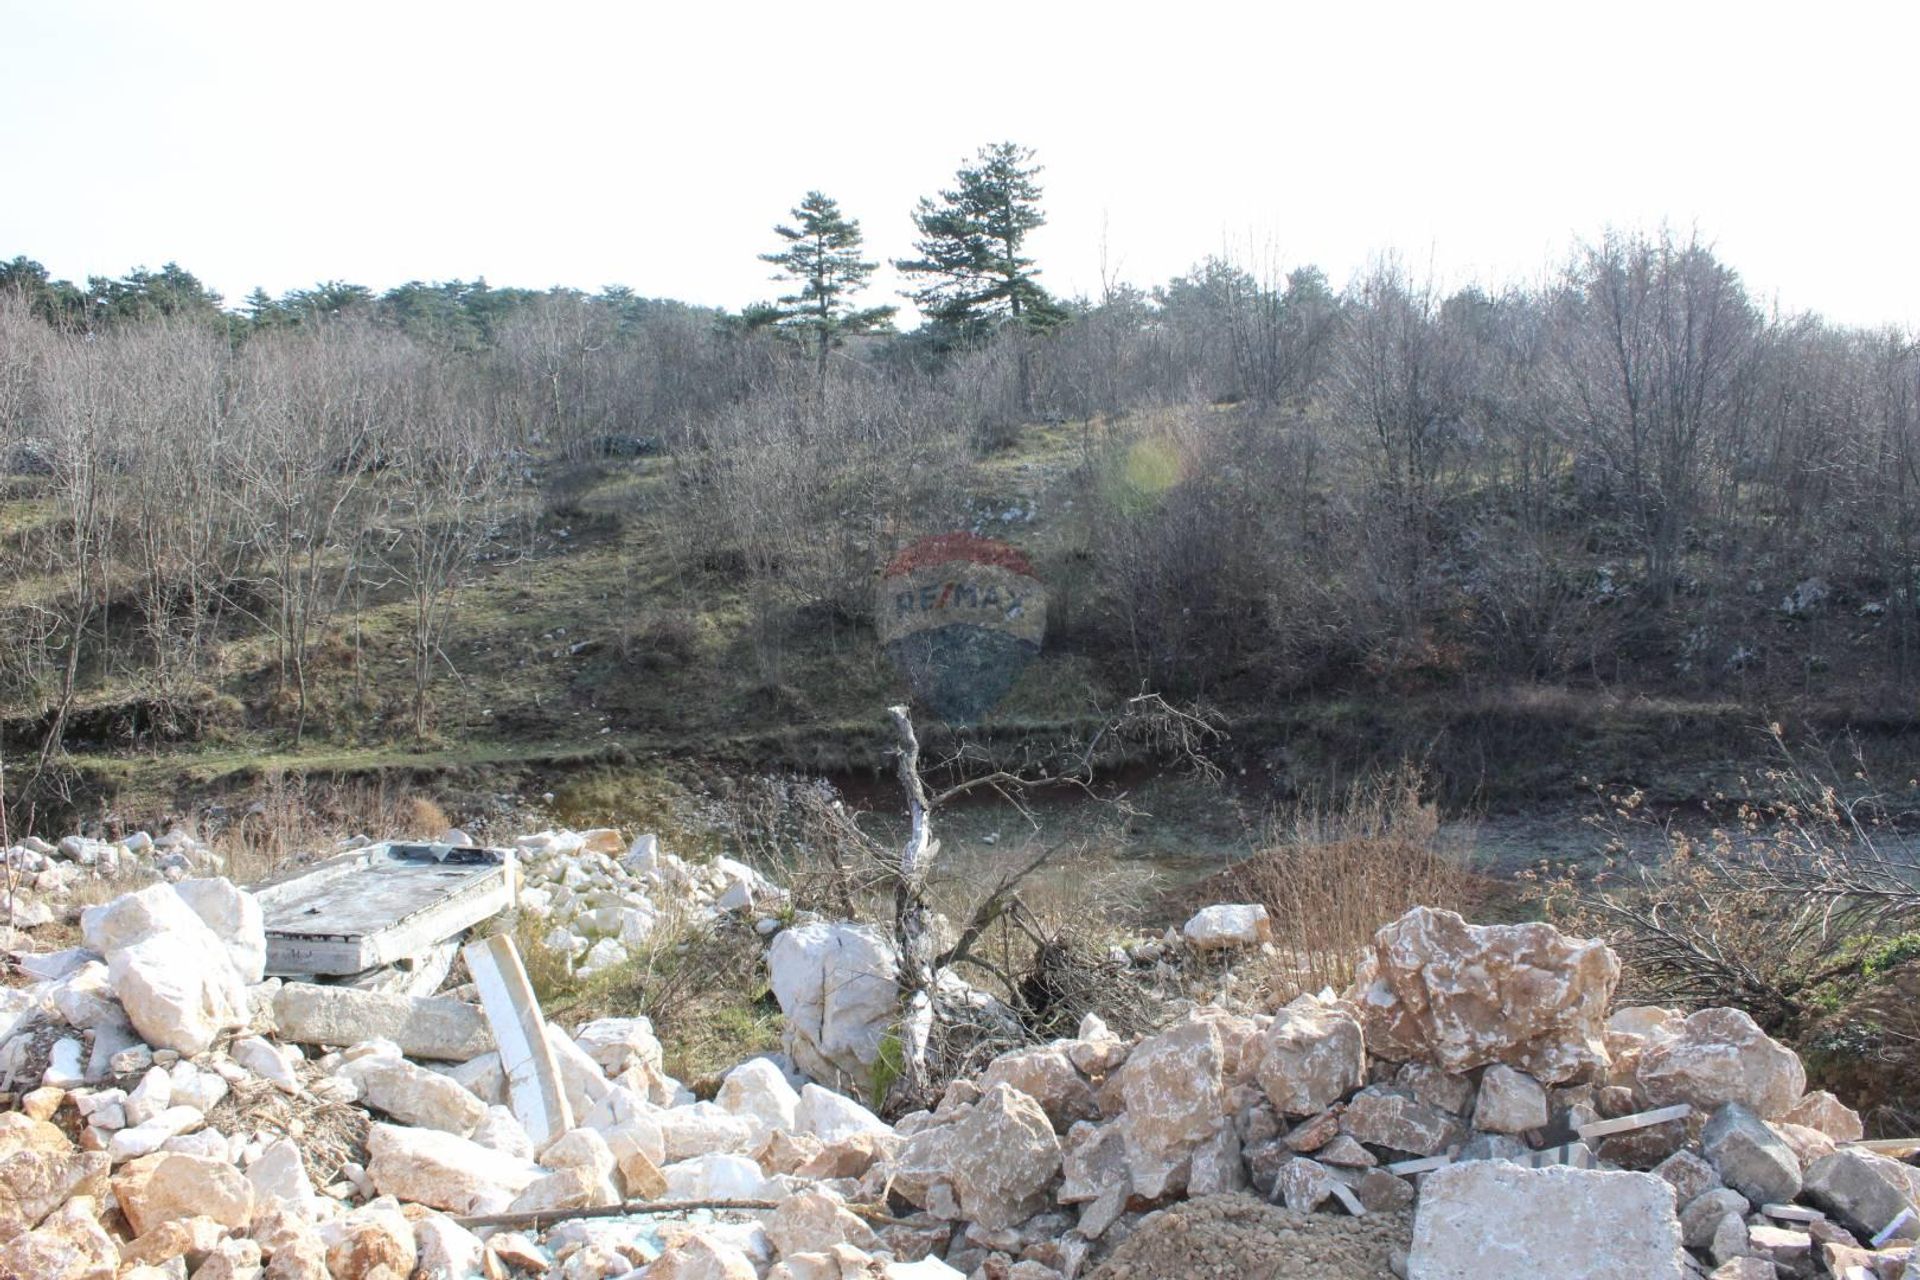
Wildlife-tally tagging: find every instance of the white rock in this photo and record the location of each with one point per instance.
(616, 1044)
(446, 1250)
(192, 1087)
(502, 1132)
(836, 987)
(758, 1091)
(443, 1171)
(703, 1129)
(151, 1096)
(719, 1177)
(1509, 1102)
(134, 917)
(66, 1065)
(1718, 1056)
(1227, 925)
(234, 917)
(179, 989)
(1491, 1220)
(266, 1061)
(580, 1075)
(280, 1177)
(833, 1118)
(411, 1093)
(602, 955)
(147, 1138)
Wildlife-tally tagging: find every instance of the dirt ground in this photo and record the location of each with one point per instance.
(1242, 1238)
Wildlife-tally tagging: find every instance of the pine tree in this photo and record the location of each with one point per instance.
(823, 257)
(971, 248)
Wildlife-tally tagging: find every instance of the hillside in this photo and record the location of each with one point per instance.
(456, 531)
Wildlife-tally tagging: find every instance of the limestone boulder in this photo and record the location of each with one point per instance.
(445, 1250)
(179, 988)
(1047, 1075)
(40, 1170)
(444, 1171)
(1509, 1101)
(1172, 1090)
(833, 1117)
(267, 1061)
(168, 1185)
(191, 1239)
(836, 984)
(1433, 988)
(155, 911)
(581, 1149)
(704, 1129)
(1313, 1054)
(722, 1177)
(279, 1179)
(1228, 926)
(1718, 1056)
(1092, 1159)
(431, 1027)
(1865, 1192)
(69, 1245)
(757, 1091)
(700, 1257)
(1821, 1110)
(1750, 1157)
(999, 1157)
(234, 917)
(373, 1240)
(1383, 1116)
(1491, 1220)
(991, 1163)
(814, 1222)
(414, 1095)
(575, 1187)
(1700, 1217)
(618, 1044)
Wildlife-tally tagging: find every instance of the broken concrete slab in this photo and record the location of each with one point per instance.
(1491, 1220)
(536, 1089)
(379, 905)
(431, 1027)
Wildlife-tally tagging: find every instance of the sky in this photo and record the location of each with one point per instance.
(277, 143)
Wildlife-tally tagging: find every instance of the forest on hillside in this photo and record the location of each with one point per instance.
(1244, 484)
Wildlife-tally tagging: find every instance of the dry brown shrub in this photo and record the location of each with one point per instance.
(1803, 911)
(1330, 875)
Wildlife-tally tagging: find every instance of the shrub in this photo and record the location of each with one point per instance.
(1330, 875)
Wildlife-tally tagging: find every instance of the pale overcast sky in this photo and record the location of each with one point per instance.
(279, 144)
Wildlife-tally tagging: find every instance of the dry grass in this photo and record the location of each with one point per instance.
(290, 817)
(703, 986)
(1330, 875)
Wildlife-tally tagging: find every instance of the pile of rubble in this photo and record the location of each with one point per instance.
(603, 899)
(1473, 1106)
(41, 877)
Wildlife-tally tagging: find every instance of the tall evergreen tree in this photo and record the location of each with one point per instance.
(971, 248)
(822, 255)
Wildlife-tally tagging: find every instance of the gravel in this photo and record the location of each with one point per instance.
(1246, 1239)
